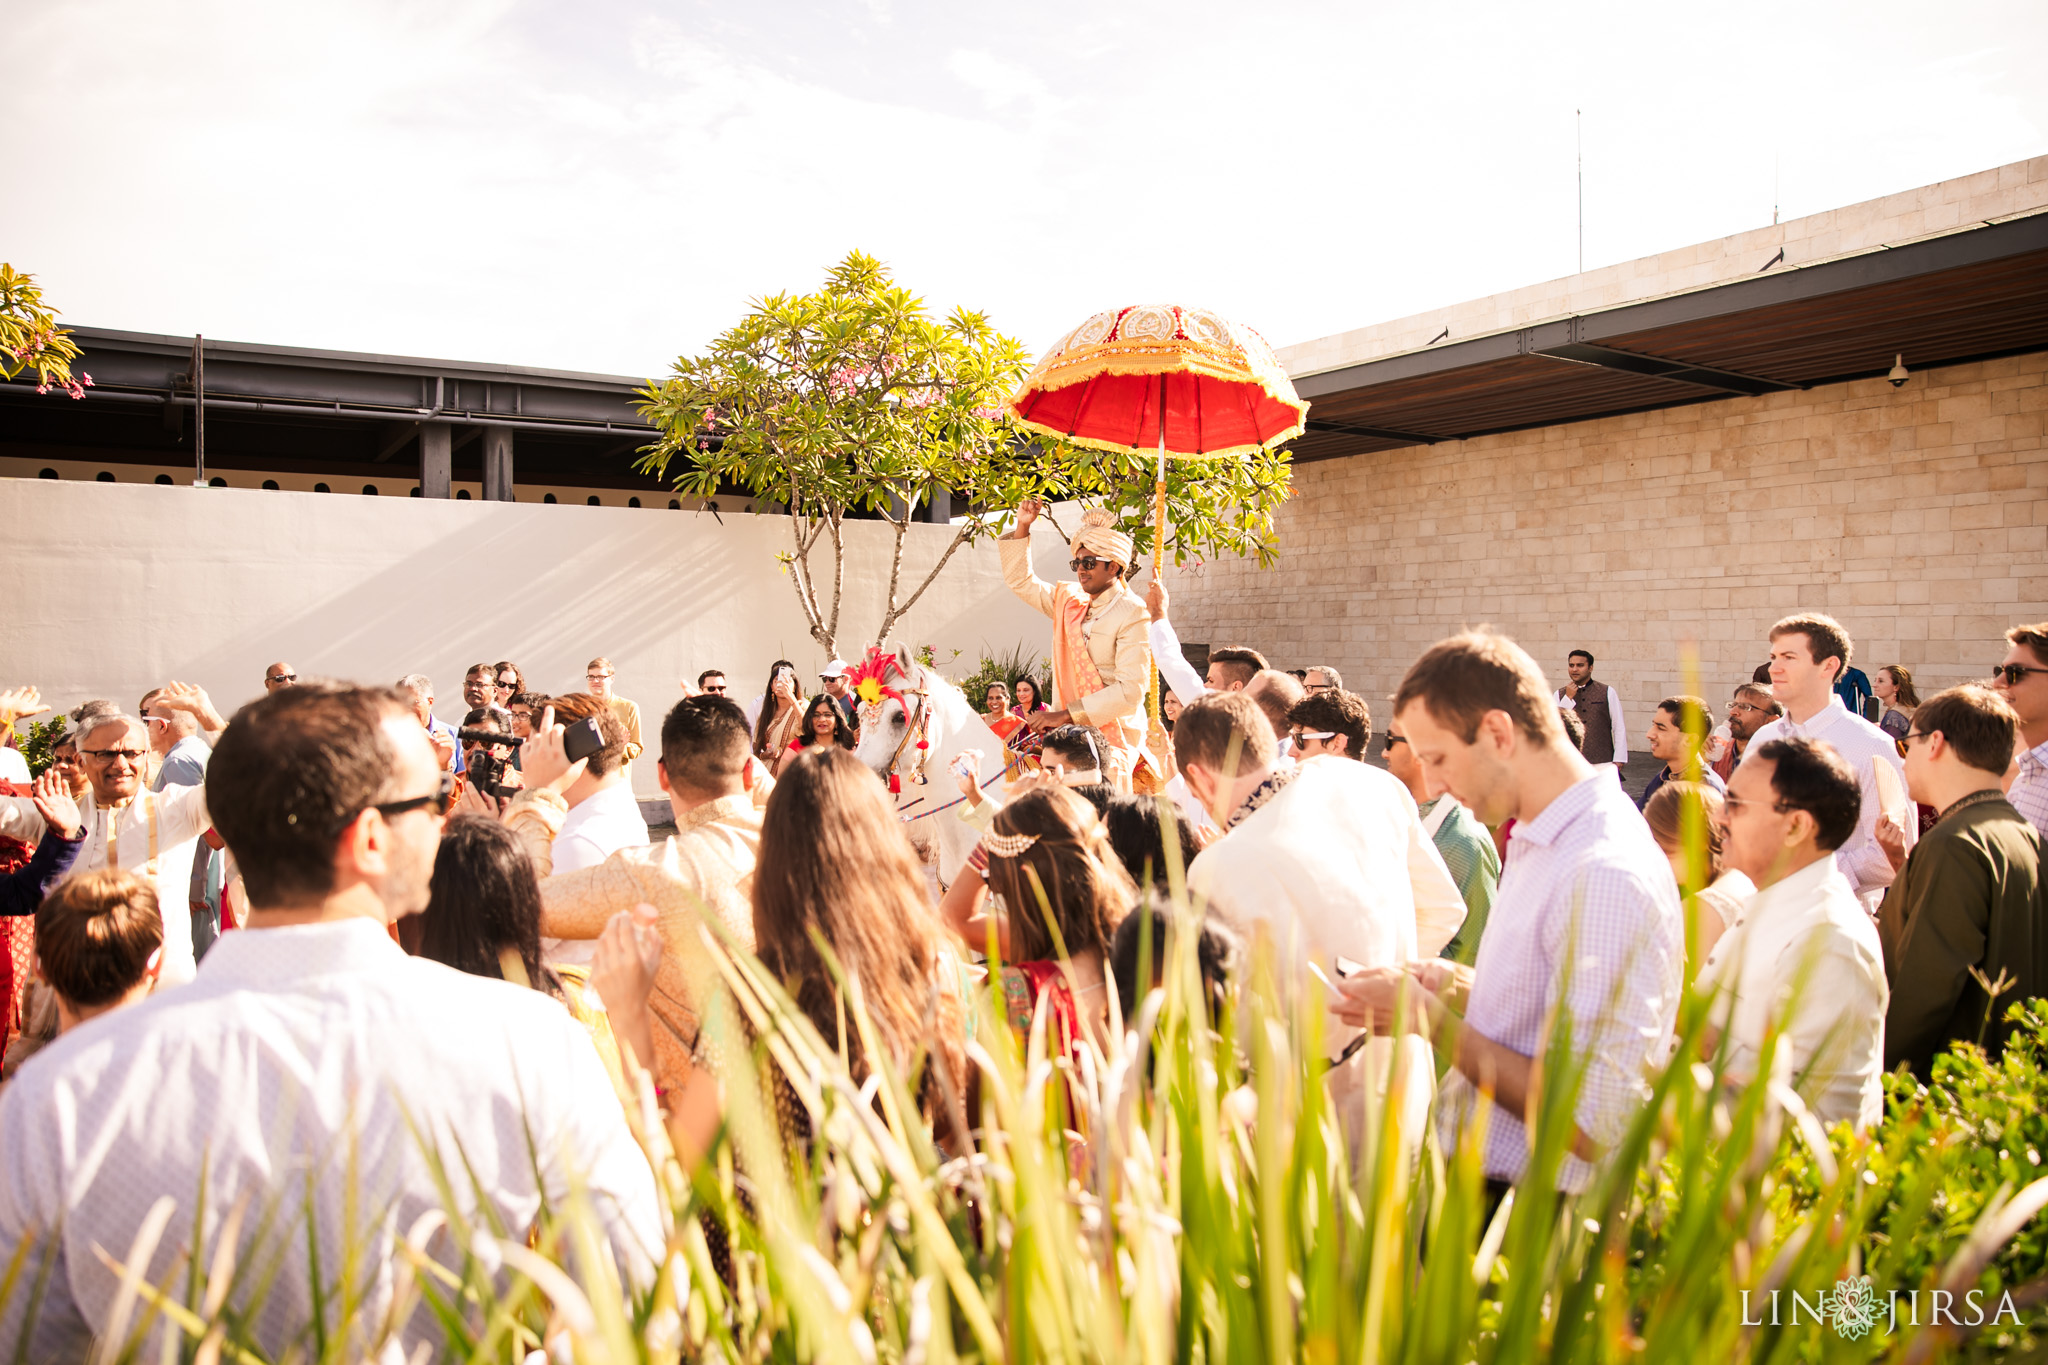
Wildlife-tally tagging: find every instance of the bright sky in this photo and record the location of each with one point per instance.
(603, 185)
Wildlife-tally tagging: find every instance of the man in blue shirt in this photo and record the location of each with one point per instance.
(439, 732)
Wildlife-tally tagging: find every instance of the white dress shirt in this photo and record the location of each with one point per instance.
(1335, 865)
(298, 1060)
(2029, 794)
(595, 828)
(1586, 921)
(1174, 669)
(1807, 934)
(151, 835)
(1614, 720)
(1862, 859)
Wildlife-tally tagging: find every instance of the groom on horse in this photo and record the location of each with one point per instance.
(1101, 654)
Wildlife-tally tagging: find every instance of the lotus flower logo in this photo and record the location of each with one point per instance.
(1853, 1306)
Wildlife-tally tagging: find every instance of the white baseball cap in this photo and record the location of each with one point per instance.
(835, 669)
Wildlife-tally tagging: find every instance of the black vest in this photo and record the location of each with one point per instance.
(1591, 706)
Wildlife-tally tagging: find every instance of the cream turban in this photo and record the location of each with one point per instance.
(1098, 536)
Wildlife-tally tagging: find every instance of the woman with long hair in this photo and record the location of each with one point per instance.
(1893, 686)
(1056, 892)
(1685, 820)
(824, 724)
(834, 862)
(782, 713)
(483, 918)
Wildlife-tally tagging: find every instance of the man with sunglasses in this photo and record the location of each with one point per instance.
(2022, 679)
(279, 675)
(312, 1062)
(1101, 653)
(151, 834)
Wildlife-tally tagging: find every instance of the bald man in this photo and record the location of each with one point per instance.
(279, 675)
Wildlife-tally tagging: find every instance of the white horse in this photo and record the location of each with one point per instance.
(939, 714)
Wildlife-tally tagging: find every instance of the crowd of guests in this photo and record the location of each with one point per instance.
(428, 948)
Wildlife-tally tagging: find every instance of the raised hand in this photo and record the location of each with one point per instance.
(18, 703)
(1027, 512)
(53, 802)
(181, 696)
(544, 759)
(1157, 599)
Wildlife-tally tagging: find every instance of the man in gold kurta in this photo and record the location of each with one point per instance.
(1101, 654)
(706, 866)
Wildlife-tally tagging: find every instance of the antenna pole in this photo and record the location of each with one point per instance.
(1580, 116)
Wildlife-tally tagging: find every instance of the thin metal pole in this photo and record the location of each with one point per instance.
(199, 408)
(1580, 115)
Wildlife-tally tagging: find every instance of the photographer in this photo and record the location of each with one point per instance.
(488, 767)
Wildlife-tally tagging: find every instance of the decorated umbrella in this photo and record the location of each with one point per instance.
(1183, 379)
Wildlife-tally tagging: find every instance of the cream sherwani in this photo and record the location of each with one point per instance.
(1118, 643)
(1337, 864)
(150, 835)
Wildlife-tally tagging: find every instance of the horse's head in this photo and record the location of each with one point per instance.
(893, 692)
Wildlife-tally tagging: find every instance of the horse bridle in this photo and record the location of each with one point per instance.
(916, 723)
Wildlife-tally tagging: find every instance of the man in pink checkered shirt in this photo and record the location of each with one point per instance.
(1586, 922)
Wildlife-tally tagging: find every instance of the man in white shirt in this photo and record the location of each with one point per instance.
(1329, 858)
(1586, 924)
(604, 815)
(1808, 652)
(1230, 669)
(311, 1063)
(149, 833)
(1802, 953)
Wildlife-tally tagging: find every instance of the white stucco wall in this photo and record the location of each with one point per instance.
(116, 588)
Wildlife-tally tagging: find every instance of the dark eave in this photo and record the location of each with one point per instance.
(1967, 295)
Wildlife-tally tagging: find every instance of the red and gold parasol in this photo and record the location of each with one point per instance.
(1183, 380)
(1158, 375)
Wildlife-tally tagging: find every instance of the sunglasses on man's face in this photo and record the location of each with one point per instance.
(2014, 674)
(1089, 564)
(715, 688)
(282, 677)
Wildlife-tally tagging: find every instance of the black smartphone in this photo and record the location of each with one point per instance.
(582, 739)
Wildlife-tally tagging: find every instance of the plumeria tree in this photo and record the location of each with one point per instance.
(31, 339)
(857, 399)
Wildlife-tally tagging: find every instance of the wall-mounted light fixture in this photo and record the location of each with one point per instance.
(1898, 375)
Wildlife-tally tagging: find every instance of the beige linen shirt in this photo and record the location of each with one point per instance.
(707, 864)
(1802, 951)
(1118, 642)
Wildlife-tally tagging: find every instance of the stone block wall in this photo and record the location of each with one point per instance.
(1918, 516)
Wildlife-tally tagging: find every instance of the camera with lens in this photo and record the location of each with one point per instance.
(486, 766)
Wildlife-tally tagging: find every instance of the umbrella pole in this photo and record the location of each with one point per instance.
(1158, 547)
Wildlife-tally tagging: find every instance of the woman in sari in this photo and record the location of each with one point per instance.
(1022, 742)
(1056, 892)
(782, 715)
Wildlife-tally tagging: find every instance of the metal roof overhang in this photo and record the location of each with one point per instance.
(1968, 295)
(283, 407)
